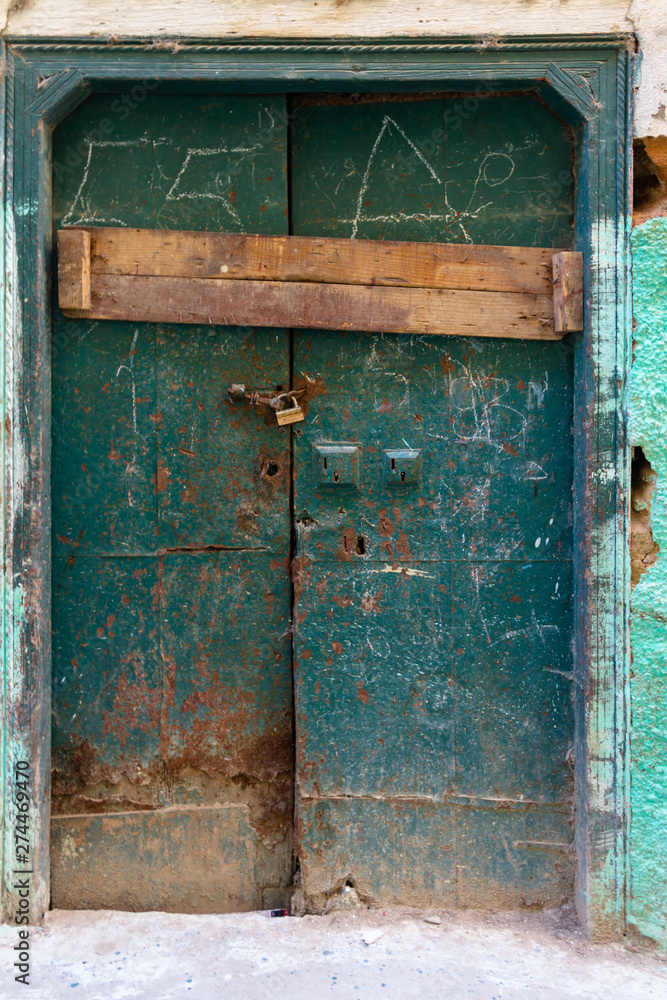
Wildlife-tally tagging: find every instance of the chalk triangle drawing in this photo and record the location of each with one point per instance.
(381, 166)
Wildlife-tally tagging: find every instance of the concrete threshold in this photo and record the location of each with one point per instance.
(362, 954)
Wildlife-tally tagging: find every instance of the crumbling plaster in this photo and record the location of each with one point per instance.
(649, 19)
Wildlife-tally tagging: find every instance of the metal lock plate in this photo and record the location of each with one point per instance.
(402, 467)
(337, 464)
(292, 414)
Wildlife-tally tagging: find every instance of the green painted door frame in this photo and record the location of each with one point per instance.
(586, 82)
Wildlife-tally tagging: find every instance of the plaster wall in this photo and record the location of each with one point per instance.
(646, 20)
(648, 413)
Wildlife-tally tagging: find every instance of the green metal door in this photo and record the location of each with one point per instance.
(433, 616)
(172, 689)
(429, 532)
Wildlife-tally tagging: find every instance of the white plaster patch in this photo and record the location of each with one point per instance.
(317, 18)
(650, 21)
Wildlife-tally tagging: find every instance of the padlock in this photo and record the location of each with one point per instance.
(290, 414)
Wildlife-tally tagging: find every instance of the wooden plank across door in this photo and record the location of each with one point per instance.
(373, 286)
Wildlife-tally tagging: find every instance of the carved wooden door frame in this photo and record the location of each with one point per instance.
(587, 83)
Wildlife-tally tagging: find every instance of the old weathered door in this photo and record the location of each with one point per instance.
(172, 690)
(433, 496)
(431, 510)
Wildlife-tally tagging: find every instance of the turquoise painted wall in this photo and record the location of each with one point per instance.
(648, 428)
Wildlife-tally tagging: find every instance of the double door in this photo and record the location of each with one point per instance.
(340, 649)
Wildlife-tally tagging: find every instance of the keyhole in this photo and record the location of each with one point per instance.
(269, 470)
(403, 477)
(361, 546)
(336, 477)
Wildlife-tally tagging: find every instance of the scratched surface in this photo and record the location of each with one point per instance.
(433, 593)
(172, 681)
(433, 618)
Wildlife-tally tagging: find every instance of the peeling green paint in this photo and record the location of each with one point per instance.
(4, 588)
(647, 408)
(43, 88)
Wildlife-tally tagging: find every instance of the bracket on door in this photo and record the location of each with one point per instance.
(372, 286)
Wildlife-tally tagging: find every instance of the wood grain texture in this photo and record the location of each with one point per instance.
(568, 292)
(304, 305)
(170, 253)
(600, 458)
(74, 269)
(285, 19)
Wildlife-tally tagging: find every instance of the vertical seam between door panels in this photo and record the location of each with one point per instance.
(160, 558)
(449, 561)
(291, 501)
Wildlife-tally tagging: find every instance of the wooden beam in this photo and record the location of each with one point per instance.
(169, 253)
(367, 308)
(74, 269)
(373, 285)
(568, 292)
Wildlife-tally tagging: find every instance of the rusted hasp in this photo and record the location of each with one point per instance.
(284, 405)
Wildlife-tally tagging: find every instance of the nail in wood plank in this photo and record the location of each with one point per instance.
(568, 292)
(74, 269)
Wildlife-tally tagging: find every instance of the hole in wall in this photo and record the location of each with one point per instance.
(643, 548)
(646, 183)
(361, 546)
(343, 895)
(649, 178)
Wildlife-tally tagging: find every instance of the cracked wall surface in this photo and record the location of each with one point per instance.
(647, 410)
(643, 547)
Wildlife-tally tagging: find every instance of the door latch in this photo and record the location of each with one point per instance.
(285, 414)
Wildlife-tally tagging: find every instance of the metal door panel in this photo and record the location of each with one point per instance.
(433, 625)
(224, 645)
(224, 471)
(172, 682)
